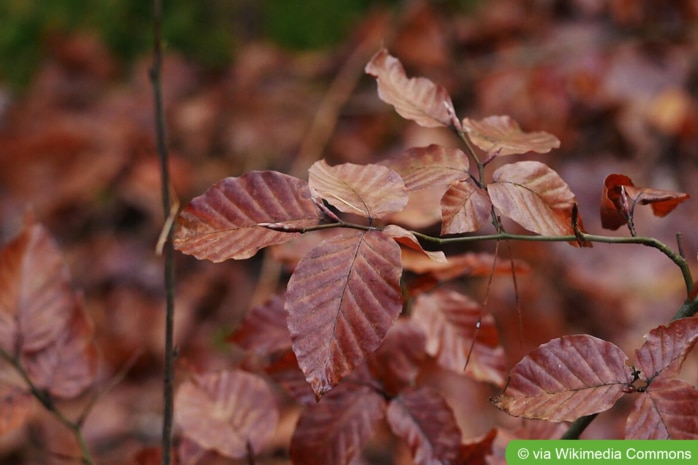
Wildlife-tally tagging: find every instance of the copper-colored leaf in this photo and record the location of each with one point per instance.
(475, 451)
(333, 431)
(668, 409)
(397, 361)
(620, 196)
(408, 239)
(67, 366)
(341, 301)
(423, 419)
(417, 99)
(227, 221)
(36, 299)
(285, 371)
(264, 328)
(535, 196)
(565, 379)
(16, 406)
(501, 135)
(431, 166)
(225, 411)
(467, 264)
(370, 190)
(464, 208)
(666, 348)
(450, 321)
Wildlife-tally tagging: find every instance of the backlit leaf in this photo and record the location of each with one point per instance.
(464, 208)
(224, 411)
(565, 379)
(341, 300)
(264, 328)
(36, 299)
(666, 348)
(333, 431)
(449, 320)
(668, 409)
(502, 135)
(370, 190)
(416, 99)
(431, 166)
(408, 239)
(535, 196)
(227, 220)
(423, 419)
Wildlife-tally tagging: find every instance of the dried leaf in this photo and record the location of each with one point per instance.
(427, 167)
(226, 411)
(333, 431)
(342, 299)
(264, 328)
(372, 191)
(424, 420)
(408, 239)
(227, 221)
(464, 208)
(565, 379)
(666, 348)
(36, 299)
(449, 320)
(668, 409)
(416, 99)
(533, 195)
(397, 361)
(475, 451)
(16, 407)
(501, 135)
(286, 372)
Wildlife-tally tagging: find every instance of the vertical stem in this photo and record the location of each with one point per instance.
(168, 250)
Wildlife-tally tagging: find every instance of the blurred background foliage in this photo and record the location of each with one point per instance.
(205, 31)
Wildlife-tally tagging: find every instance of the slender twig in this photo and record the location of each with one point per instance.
(168, 250)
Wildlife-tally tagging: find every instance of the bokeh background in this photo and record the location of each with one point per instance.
(278, 84)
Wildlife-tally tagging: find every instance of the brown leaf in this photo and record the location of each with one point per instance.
(620, 196)
(36, 299)
(475, 451)
(226, 411)
(423, 419)
(264, 328)
(342, 299)
(227, 221)
(369, 190)
(668, 409)
(464, 208)
(286, 372)
(450, 321)
(533, 195)
(16, 407)
(565, 379)
(501, 135)
(397, 361)
(417, 99)
(333, 431)
(408, 239)
(67, 366)
(431, 166)
(666, 348)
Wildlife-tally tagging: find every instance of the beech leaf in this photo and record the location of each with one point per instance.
(397, 361)
(228, 220)
(16, 407)
(424, 420)
(431, 166)
(666, 348)
(341, 300)
(620, 196)
(416, 99)
(565, 379)
(449, 320)
(372, 191)
(501, 135)
(333, 431)
(264, 328)
(225, 411)
(408, 239)
(535, 196)
(668, 409)
(36, 299)
(464, 208)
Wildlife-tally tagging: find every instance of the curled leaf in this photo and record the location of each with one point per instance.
(416, 99)
(501, 135)
(408, 239)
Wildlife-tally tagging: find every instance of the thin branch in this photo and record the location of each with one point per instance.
(168, 250)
